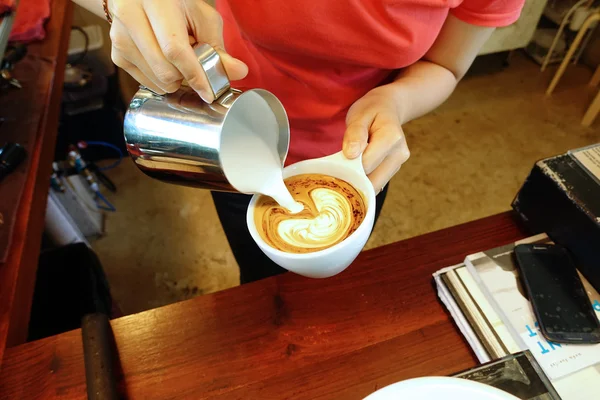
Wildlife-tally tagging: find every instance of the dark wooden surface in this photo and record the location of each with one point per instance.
(17, 274)
(378, 322)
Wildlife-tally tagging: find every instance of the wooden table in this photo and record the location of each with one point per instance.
(17, 274)
(376, 323)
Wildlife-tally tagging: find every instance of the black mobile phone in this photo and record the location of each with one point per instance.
(560, 303)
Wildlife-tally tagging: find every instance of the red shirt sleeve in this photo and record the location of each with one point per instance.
(492, 13)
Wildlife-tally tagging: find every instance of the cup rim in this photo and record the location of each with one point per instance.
(319, 253)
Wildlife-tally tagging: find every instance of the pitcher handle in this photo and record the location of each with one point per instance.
(340, 158)
(211, 63)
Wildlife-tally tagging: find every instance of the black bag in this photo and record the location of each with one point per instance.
(70, 283)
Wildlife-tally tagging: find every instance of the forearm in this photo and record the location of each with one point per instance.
(94, 6)
(421, 88)
(425, 85)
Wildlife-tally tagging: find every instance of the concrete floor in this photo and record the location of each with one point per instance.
(469, 158)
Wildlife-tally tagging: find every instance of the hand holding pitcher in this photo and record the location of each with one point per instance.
(153, 41)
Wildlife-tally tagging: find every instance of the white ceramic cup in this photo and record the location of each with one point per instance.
(335, 259)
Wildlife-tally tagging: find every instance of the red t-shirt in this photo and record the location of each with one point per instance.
(319, 57)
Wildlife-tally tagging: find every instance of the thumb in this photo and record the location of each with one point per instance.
(355, 138)
(235, 68)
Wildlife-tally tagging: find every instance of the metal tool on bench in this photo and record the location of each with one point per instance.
(13, 55)
(11, 155)
(100, 357)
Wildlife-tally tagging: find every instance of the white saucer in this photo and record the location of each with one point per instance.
(437, 388)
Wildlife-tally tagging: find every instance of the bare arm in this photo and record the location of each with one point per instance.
(425, 85)
(152, 40)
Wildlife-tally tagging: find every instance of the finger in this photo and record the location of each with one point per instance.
(126, 54)
(172, 36)
(141, 32)
(140, 77)
(142, 65)
(385, 134)
(389, 167)
(383, 174)
(235, 68)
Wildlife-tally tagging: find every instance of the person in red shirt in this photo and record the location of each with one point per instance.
(349, 73)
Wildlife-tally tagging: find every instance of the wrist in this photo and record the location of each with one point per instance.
(397, 94)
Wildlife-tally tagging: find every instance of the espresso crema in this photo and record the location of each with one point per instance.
(333, 209)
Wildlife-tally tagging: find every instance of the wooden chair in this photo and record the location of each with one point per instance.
(594, 108)
(565, 21)
(593, 17)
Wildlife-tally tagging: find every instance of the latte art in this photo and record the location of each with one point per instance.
(327, 228)
(333, 209)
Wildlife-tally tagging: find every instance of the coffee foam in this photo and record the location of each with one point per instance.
(333, 209)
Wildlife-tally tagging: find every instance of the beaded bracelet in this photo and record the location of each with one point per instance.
(106, 12)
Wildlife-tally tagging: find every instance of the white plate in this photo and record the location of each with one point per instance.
(436, 388)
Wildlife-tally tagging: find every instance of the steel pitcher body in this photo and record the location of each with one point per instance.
(181, 139)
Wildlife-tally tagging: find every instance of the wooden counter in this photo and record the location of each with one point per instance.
(17, 274)
(376, 323)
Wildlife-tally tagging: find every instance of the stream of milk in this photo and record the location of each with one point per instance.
(249, 152)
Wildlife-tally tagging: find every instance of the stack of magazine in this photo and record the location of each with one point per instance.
(485, 297)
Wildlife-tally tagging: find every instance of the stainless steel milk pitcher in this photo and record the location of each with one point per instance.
(179, 138)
